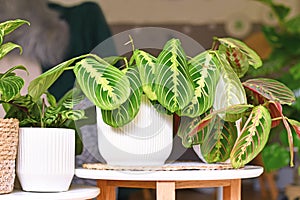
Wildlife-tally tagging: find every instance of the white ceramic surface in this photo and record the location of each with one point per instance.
(179, 175)
(46, 159)
(146, 141)
(76, 192)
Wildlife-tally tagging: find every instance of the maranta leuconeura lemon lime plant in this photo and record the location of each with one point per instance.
(230, 119)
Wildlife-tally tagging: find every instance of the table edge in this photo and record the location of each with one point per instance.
(179, 175)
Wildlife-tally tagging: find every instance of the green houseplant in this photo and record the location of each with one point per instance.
(205, 90)
(44, 111)
(46, 125)
(283, 65)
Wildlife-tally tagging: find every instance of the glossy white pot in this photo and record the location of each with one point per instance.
(46, 159)
(146, 141)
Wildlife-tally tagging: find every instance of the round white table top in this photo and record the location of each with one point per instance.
(171, 175)
(76, 192)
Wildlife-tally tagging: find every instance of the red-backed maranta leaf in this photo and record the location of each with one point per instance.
(271, 89)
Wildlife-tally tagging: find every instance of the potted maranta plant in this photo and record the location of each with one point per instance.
(228, 118)
(243, 113)
(46, 151)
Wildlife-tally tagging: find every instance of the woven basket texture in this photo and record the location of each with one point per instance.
(9, 135)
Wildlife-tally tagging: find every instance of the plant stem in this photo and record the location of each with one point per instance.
(126, 62)
(42, 112)
(214, 44)
(277, 118)
(69, 68)
(130, 41)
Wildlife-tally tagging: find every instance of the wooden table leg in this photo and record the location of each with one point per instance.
(165, 190)
(270, 176)
(146, 194)
(233, 191)
(107, 192)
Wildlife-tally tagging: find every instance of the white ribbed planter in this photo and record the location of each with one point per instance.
(46, 159)
(146, 141)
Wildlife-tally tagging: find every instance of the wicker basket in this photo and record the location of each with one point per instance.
(9, 131)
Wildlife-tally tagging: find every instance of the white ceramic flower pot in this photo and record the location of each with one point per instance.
(46, 159)
(146, 141)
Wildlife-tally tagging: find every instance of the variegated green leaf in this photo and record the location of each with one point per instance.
(237, 59)
(8, 47)
(70, 103)
(1, 36)
(12, 69)
(146, 64)
(72, 100)
(51, 115)
(192, 130)
(126, 112)
(253, 59)
(231, 113)
(230, 90)
(103, 84)
(25, 101)
(204, 74)
(271, 89)
(219, 141)
(10, 87)
(51, 99)
(254, 136)
(73, 115)
(188, 131)
(53, 110)
(174, 89)
(159, 108)
(10, 25)
(40, 85)
(24, 109)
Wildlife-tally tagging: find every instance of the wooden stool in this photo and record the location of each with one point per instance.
(292, 192)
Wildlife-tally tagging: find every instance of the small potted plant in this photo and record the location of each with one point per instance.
(46, 151)
(228, 118)
(47, 136)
